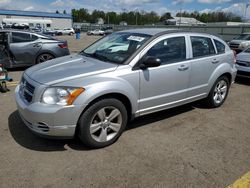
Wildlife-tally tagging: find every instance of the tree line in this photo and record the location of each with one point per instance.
(217, 16)
(146, 18)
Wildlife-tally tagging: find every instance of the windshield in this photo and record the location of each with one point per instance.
(243, 37)
(247, 50)
(117, 47)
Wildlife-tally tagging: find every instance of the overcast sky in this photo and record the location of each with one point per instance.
(159, 6)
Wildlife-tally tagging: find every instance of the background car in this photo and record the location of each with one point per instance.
(96, 32)
(68, 31)
(107, 30)
(49, 32)
(240, 43)
(23, 48)
(243, 63)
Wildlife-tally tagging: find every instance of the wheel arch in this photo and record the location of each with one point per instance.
(119, 96)
(44, 52)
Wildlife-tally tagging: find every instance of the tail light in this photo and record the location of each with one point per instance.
(234, 56)
(63, 45)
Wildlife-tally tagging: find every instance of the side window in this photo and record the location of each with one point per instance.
(220, 46)
(169, 50)
(202, 46)
(34, 37)
(20, 37)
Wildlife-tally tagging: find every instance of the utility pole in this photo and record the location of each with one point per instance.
(180, 17)
(247, 5)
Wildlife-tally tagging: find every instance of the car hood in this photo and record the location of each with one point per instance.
(237, 41)
(243, 57)
(67, 68)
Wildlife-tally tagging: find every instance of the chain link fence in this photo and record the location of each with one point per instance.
(225, 32)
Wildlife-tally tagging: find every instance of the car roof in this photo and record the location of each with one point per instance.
(150, 31)
(16, 30)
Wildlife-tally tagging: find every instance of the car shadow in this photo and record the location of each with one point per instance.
(24, 137)
(242, 81)
(17, 69)
(159, 116)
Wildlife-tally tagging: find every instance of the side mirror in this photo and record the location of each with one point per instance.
(150, 61)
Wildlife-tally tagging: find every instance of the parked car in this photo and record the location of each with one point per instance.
(107, 30)
(22, 48)
(243, 63)
(95, 93)
(68, 31)
(240, 43)
(96, 32)
(49, 32)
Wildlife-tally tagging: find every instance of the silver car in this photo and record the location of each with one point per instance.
(22, 48)
(243, 64)
(122, 76)
(240, 43)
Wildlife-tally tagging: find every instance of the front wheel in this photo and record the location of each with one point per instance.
(218, 93)
(102, 123)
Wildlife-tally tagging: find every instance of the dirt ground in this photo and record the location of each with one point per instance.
(188, 146)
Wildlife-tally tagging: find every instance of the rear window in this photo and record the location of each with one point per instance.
(220, 46)
(202, 46)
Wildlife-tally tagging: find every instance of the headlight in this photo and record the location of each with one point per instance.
(61, 96)
(244, 44)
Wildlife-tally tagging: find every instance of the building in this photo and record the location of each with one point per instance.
(36, 19)
(184, 21)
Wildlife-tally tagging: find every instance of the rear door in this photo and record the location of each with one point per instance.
(203, 63)
(24, 47)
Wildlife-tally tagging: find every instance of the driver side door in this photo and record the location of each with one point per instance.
(165, 86)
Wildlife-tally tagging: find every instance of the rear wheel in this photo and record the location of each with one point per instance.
(218, 93)
(44, 57)
(102, 123)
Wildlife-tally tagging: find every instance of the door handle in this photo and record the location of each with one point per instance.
(215, 61)
(182, 67)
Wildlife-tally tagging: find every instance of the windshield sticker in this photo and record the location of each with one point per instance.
(136, 38)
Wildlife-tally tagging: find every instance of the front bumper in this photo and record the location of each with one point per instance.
(48, 120)
(243, 71)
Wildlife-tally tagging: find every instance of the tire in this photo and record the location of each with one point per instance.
(218, 93)
(102, 123)
(70, 34)
(44, 57)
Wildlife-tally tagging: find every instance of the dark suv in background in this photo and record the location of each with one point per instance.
(23, 48)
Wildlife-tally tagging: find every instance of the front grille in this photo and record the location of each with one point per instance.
(233, 45)
(26, 90)
(243, 73)
(243, 63)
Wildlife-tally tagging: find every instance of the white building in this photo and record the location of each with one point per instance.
(36, 19)
(184, 21)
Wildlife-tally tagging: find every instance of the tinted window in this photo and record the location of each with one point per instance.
(202, 46)
(220, 46)
(34, 37)
(20, 37)
(169, 50)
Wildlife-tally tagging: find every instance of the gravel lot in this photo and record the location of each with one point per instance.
(188, 146)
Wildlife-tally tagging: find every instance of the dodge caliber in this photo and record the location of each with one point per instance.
(124, 75)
